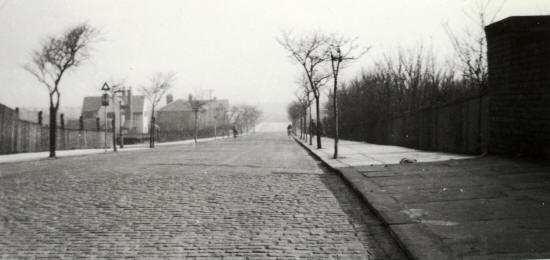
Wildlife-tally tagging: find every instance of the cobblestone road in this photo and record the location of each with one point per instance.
(257, 197)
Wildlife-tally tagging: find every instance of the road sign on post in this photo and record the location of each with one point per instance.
(105, 103)
(105, 87)
(105, 99)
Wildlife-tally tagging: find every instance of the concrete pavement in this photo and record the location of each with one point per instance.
(21, 157)
(254, 197)
(451, 206)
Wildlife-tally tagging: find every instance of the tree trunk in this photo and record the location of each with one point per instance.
(152, 131)
(309, 126)
(301, 123)
(335, 110)
(53, 129)
(302, 128)
(113, 123)
(318, 120)
(195, 134)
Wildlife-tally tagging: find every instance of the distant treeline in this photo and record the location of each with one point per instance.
(398, 84)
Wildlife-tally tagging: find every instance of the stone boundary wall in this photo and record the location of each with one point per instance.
(457, 127)
(512, 119)
(20, 136)
(519, 86)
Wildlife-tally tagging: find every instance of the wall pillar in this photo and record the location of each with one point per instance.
(519, 86)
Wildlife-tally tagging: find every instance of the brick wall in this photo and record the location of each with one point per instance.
(519, 86)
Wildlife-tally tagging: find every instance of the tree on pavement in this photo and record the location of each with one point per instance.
(158, 85)
(244, 117)
(294, 112)
(342, 51)
(56, 56)
(220, 117)
(250, 116)
(471, 45)
(310, 52)
(197, 104)
(305, 99)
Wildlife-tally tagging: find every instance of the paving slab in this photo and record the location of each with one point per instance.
(450, 206)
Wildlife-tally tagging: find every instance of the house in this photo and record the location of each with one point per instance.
(131, 111)
(178, 115)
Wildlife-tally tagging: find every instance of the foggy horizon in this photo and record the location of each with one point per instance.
(229, 48)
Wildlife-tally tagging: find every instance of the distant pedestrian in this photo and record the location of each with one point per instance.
(289, 130)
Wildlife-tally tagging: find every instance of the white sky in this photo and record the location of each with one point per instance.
(227, 46)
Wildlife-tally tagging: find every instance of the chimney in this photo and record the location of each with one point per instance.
(169, 99)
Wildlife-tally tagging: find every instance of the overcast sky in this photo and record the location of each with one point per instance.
(226, 46)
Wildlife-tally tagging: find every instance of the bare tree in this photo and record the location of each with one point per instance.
(342, 51)
(471, 45)
(220, 117)
(158, 85)
(245, 117)
(56, 56)
(235, 118)
(197, 104)
(250, 116)
(303, 96)
(305, 99)
(311, 53)
(294, 112)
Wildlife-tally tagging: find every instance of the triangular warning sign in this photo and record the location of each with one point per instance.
(105, 87)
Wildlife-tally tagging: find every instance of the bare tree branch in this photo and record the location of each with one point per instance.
(310, 52)
(158, 85)
(55, 57)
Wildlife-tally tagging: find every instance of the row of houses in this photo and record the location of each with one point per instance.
(133, 113)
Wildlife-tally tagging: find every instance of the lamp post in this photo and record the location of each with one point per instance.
(121, 135)
(114, 90)
(105, 102)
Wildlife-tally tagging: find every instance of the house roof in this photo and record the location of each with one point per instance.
(93, 103)
(222, 102)
(184, 105)
(178, 105)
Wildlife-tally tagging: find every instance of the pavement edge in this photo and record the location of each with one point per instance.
(376, 203)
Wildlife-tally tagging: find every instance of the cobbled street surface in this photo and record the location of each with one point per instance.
(256, 197)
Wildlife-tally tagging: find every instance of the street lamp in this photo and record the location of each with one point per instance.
(114, 90)
(121, 134)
